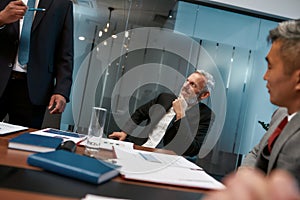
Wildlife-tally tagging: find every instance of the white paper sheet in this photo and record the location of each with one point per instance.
(108, 144)
(6, 128)
(164, 169)
(65, 135)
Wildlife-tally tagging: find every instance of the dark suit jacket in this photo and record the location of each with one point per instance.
(50, 65)
(184, 136)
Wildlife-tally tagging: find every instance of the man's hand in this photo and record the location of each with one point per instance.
(179, 106)
(57, 104)
(13, 12)
(251, 184)
(119, 135)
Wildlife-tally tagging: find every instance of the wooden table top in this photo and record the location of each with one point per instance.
(17, 158)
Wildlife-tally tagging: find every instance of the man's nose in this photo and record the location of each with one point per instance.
(186, 84)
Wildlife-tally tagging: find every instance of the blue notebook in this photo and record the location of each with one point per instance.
(35, 143)
(74, 165)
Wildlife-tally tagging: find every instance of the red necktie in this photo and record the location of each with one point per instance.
(276, 133)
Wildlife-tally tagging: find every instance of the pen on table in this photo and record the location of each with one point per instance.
(196, 180)
(37, 9)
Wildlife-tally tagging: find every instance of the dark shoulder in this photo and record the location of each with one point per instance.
(204, 107)
(206, 111)
(166, 97)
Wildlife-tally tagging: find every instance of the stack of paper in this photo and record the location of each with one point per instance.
(164, 169)
(6, 128)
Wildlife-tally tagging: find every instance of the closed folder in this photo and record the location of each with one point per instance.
(35, 143)
(74, 165)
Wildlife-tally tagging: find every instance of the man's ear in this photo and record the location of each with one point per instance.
(204, 95)
(297, 74)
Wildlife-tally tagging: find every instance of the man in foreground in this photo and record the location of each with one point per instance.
(281, 149)
(278, 153)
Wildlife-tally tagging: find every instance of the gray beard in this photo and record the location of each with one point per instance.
(191, 100)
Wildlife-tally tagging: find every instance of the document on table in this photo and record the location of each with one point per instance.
(108, 144)
(6, 128)
(164, 169)
(65, 135)
(179, 177)
(128, 158)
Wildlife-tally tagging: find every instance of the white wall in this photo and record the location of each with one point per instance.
(281, 8)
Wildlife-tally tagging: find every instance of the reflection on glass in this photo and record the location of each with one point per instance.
(236, 44)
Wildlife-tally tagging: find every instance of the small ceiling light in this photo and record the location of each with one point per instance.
(126, 34)
(100, 33)
(114, 32)
(108, 22)
(81, 38)
(170, 15)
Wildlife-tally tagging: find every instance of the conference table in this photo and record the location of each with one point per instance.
(18, 180)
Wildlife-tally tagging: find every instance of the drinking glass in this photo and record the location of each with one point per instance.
(95, 131)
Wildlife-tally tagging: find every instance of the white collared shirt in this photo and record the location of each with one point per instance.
(159, 130)
(291, 116)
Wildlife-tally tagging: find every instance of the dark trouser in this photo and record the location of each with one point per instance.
(16, 103)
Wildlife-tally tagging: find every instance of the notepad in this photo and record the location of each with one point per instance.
(74, 165)
(34, 143)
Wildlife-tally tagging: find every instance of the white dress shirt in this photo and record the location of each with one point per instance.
(159, 130)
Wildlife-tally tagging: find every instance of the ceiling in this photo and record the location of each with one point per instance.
(130, 13)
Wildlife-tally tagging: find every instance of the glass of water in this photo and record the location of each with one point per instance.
(95, 131)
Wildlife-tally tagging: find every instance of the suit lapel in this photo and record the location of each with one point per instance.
(157, 112)
(39, 15)
(269, 133)
(291, 128)
(16, 27)
(276, 119)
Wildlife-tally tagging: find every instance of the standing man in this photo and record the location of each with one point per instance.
(176, 123)
(281, 150)
(44, 80)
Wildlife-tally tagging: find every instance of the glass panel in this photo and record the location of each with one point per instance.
(127, 52)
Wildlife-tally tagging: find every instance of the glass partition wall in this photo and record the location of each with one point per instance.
(129, 51)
